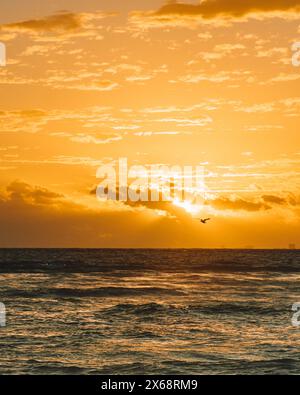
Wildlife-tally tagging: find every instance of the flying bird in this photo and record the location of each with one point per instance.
(203, 221)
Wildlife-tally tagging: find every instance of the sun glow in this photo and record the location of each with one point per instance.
(188, 206)
(200, 121)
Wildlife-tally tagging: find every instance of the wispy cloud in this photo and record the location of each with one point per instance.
(62, 22)
(212, 9)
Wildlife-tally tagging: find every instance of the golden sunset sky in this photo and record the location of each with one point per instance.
(206, 83)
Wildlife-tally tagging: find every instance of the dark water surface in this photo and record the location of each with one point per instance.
(149, 311)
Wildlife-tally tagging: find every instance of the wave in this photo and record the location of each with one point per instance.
(136, 261)
(90, 293)
(153, 309)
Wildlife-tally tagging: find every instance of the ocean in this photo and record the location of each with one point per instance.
(149, 311)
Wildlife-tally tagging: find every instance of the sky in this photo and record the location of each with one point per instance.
(187, 83)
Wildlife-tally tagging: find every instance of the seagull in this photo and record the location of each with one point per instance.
(203, 221)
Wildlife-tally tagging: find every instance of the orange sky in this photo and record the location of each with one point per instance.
(210, 84)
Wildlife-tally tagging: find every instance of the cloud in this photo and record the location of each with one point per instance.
(283, 77)
(20, 191)
(289, 200)
(88, 139)
(257, 108)
(224, 203)
(219, 77)
(34, 120)
(159, 205)
(187, 122)
(101, 85)
(34, 216)
(210, 9)
(176, 13)
(261, 203)
(61, 22)
(274, 199)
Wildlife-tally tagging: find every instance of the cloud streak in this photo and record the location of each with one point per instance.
(61, 22)
(209, 9)
(34, 216)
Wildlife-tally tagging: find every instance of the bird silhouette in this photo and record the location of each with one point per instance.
(203, 221)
